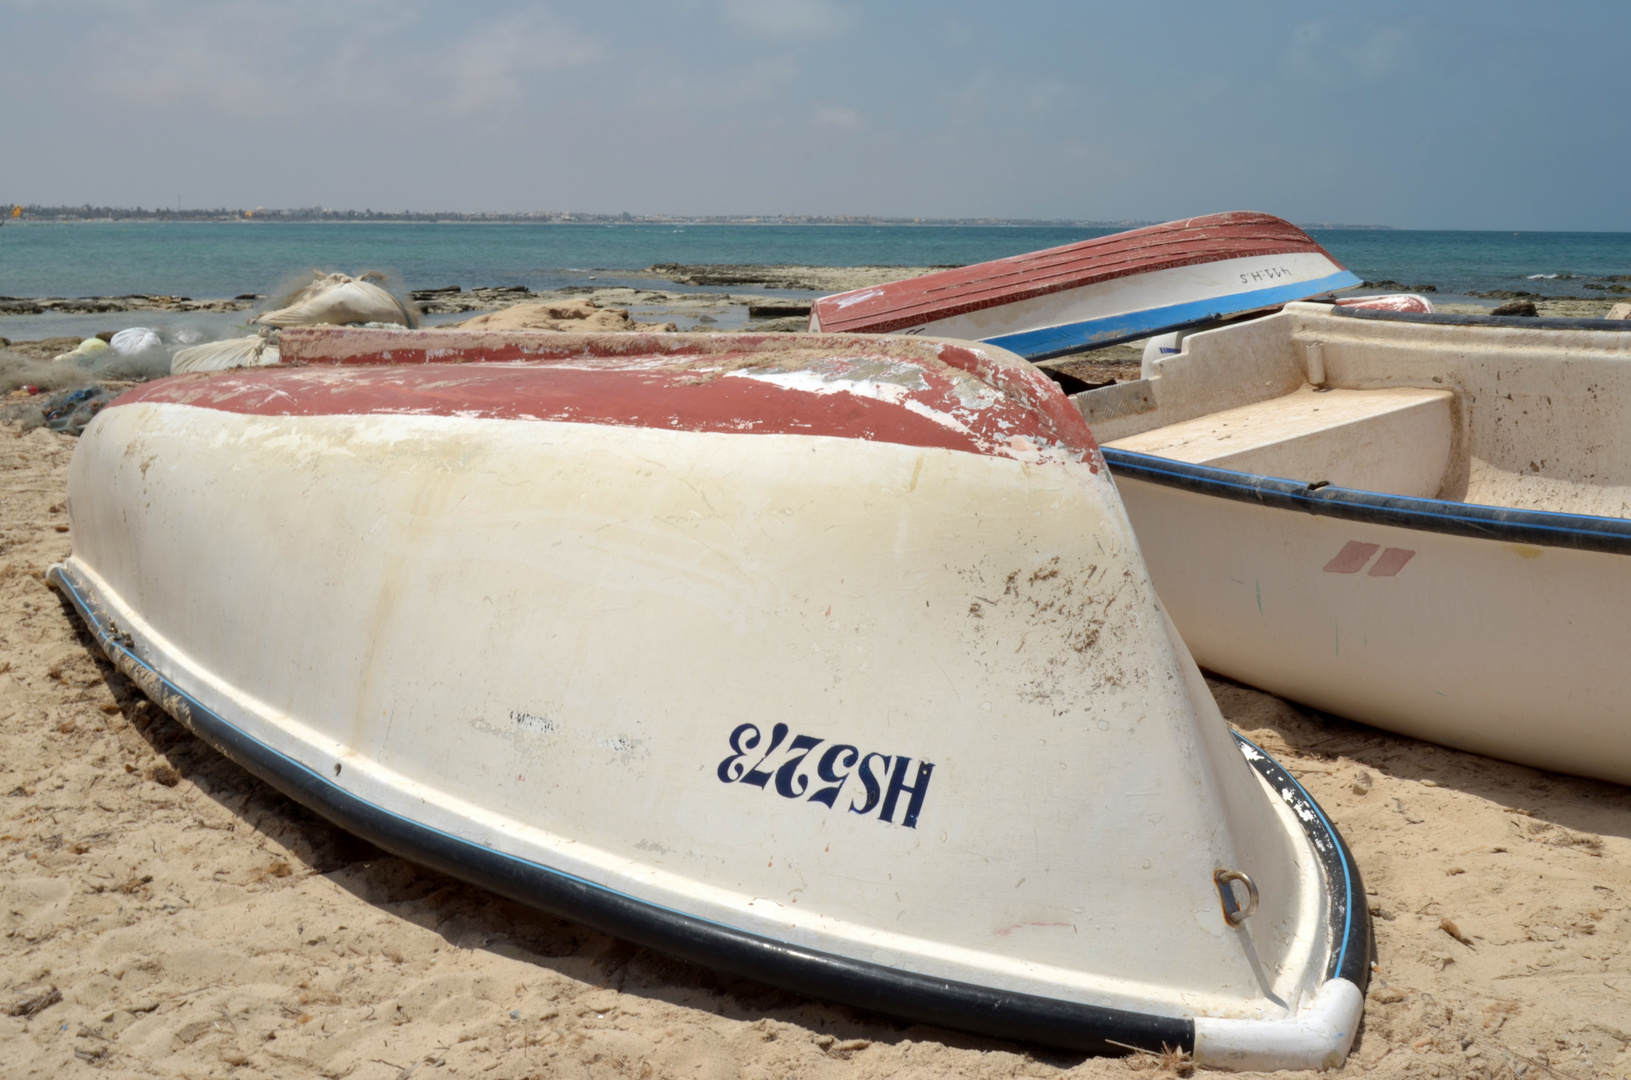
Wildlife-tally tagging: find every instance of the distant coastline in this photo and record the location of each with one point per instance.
(308, 215)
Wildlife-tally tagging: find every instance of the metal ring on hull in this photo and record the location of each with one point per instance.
(858, 983)
(1353, 948)
(1535, 527)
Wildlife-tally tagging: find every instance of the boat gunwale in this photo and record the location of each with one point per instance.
(1478, 521)
(1507, 322)
(1007, 1015)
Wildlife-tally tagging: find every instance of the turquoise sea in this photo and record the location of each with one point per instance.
(222, 259)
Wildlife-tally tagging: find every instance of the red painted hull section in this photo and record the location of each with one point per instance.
(904, 304)
(718, 383)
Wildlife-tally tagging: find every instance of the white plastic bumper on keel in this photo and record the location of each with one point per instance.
(1318, 1037)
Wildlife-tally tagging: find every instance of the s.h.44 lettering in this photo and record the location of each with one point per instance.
(880, 779)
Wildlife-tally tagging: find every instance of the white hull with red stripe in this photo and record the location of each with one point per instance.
(1097, 292)
(797, 657)
(1412, 520)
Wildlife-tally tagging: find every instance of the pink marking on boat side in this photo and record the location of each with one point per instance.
(1391, 562)
(1352, 558)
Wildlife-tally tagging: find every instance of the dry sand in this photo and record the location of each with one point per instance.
(567, 316)
(164, 914)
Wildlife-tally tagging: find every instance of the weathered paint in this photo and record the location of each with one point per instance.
(916, 393)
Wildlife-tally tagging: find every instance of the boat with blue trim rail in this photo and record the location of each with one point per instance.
(1191, 273)
(1419, 521)
(828, 661)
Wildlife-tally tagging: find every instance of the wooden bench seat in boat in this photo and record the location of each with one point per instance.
(1395, 440)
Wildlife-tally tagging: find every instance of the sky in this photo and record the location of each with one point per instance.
(1452, 114)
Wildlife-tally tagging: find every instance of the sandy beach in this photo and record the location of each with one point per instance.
(166, 914)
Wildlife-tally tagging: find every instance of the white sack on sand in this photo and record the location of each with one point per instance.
(135, 341)
(220, 355)
(340, 300)
(89, 348)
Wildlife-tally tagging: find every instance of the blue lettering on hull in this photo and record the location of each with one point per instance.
(881, 778)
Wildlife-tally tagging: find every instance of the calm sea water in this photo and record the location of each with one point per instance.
(224, 259)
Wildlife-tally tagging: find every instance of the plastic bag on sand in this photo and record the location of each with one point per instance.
(220, 355)
(340, 300)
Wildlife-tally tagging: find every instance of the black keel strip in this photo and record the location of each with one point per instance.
(861, 984)
(1352, 945)
(1534, 527)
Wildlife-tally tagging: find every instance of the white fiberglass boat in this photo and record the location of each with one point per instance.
(829, 661)
(1097, 292)
(1418, 521)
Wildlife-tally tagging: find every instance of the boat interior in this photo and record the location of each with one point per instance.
(1520, 413)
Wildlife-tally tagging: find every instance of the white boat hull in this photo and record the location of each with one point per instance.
(1458, 640)
(1134, 307)
(1097, 292)
(873, 717)
(1410, 520)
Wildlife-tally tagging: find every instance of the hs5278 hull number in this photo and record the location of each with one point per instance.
(881, 779)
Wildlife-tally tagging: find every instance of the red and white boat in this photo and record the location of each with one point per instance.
(829, 661)
(1097, 292)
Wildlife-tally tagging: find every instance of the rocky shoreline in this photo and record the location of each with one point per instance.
(96, 305)
(690, 310)
(822, 279)
(758, 310)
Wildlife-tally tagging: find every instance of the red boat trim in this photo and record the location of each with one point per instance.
(901, 305)
(709, 384)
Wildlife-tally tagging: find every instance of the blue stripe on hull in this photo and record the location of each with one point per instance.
(1093, 333)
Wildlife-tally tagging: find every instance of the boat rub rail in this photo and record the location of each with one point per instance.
(1539, 528)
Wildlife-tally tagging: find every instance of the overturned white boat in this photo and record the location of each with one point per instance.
(1121, 287)
(1418, 521)
(827, 661)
